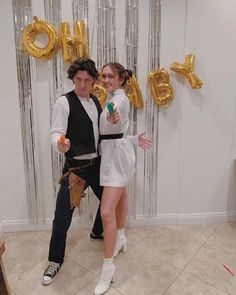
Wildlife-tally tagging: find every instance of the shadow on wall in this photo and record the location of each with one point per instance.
(232, 190)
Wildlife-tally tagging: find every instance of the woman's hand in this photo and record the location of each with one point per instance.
(144, 142)
(63, 144)
(115, 116)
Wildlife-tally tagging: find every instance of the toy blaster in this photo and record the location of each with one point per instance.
(62, 139)
(110, 107)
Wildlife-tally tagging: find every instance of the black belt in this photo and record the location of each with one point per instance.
(111, 136)
(78, 162)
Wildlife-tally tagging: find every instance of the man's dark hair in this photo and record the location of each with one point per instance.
(82, 64)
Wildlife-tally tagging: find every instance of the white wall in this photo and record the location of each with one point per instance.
(12, 180)
(172, 48)
(197, 144)
(208, 117)
(197, 133)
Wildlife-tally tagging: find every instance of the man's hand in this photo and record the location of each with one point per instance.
(63, 144)
(143, 142)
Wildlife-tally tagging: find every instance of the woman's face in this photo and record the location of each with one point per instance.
(111, 80)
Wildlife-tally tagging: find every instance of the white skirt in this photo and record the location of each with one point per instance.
(117, 162)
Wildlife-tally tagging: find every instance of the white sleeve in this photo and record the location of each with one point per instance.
(133, 139)
(121, 103)
(59, 120)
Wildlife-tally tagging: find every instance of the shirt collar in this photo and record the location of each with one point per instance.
(117, 91)
(83, 98)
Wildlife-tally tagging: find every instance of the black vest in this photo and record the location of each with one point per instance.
(80, 127)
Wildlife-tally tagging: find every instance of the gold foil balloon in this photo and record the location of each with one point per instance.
(66, 41)
(161, 90)
(100, 92)
(188, 70)
(28, 39)
(133, 92)
(81, 39)
(73, 45)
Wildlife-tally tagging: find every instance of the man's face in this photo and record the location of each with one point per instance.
(83, 83)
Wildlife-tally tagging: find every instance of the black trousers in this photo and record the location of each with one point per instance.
(63, 212)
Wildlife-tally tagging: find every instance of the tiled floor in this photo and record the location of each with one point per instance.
(170, 260)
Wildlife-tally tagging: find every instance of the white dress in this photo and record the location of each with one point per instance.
(117, 155)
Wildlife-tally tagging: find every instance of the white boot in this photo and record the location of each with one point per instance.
(121, 242)
(107, 277)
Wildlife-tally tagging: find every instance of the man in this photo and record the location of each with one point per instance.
(76, 116)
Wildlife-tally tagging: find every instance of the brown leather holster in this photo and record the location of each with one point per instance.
(76, 186)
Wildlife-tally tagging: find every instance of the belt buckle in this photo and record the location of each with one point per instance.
(91, 162)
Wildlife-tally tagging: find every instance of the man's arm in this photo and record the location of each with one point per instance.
(59, 125)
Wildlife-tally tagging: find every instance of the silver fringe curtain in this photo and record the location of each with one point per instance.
(106, 32)
(106, 51)
(52, 10)
(22, 16)
(80, 10)
(151, 114)
(131, 46)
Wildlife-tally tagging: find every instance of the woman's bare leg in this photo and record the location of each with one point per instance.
(121, 210)
(110, 200)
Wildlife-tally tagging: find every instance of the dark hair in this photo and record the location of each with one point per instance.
(120, 70)
(82, 64)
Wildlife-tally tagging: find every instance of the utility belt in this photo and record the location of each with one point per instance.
(76, 183)
(76, 163)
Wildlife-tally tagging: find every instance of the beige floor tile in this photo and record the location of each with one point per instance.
(224, 237)
(76, 234)
(26, 236)
(187, 284)
(87, 253)
(44, 235)
(88, 289)
(70, 279)
(200, 231)
(140, 273)
(172, 245)
(207, 265)
(145, 269)
(22, 253)
(135, 234)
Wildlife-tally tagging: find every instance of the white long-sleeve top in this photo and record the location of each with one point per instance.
(60, 122)
(118, 155)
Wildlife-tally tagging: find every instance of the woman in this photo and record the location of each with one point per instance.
(117, 167)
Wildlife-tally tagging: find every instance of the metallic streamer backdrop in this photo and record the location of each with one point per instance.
(22, 16)
(52, 10)
(106, 32)
(151, 114)
(106, 51)
(131, 49)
